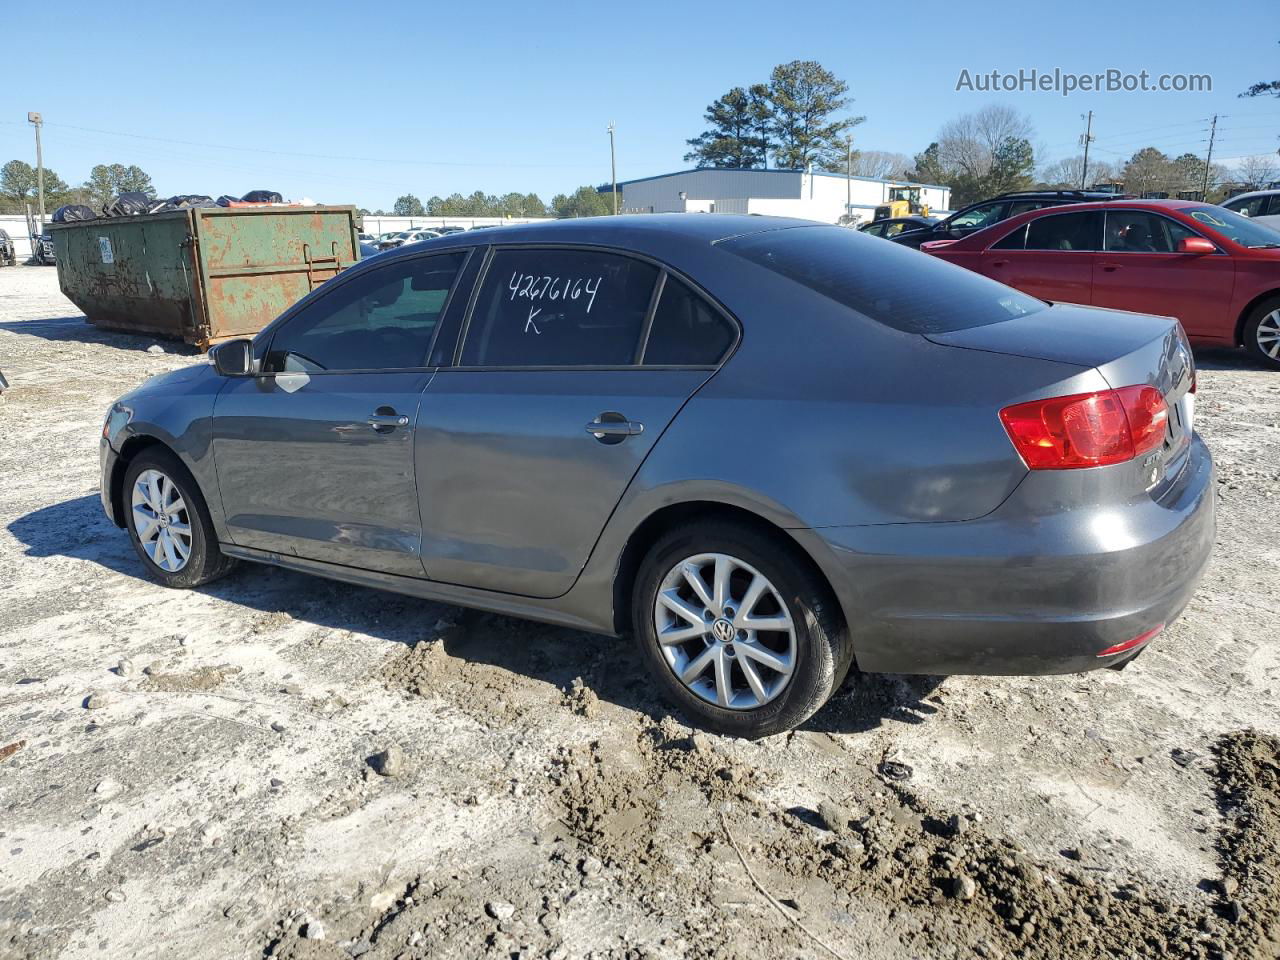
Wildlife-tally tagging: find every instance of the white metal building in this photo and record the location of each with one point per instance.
(781, 193)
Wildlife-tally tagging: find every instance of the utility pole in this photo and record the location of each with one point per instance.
(1208, 158)
(1086, 139)
(848, 177)
(613, 169)
(38, 122)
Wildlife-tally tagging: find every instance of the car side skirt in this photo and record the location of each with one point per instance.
(528, 608)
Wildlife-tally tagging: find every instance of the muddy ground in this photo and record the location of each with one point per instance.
(189, 773)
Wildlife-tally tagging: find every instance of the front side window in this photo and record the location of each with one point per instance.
(875, 229)
(383, 319)
(977, 218)
(542, 307)
(1249, 206)
(1138, 231)
(686, 330)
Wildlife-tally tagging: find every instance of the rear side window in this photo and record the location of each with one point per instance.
(887, 282)
(1066, 232)
(551, 308)
(686, 330)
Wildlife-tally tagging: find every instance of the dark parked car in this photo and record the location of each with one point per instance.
(42, 250)
(1216, 271)
(892, 226)
(8, 253)
(979, 216)
(768, 449)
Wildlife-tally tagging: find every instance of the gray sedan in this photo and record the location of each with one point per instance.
(769, 450)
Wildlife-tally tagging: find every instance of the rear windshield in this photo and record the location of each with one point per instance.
(889, 283)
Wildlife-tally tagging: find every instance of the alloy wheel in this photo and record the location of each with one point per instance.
(1268, 334)
(161, 520)
(725, 631)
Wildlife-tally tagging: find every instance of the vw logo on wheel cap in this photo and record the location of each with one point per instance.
(722, 630)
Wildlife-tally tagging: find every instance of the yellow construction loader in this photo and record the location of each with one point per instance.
(903, 202)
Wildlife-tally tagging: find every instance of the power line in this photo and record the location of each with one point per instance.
(295, 153)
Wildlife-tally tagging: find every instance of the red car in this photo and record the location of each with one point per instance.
(1216, 271)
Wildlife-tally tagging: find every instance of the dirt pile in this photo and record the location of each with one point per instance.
(680, 828)
(1248, 784)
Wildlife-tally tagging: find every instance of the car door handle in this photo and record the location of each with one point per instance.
(614, 428)
(999, 263)
(384, 419)
(1110, 267)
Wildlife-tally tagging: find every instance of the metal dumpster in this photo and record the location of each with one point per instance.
(205, 274)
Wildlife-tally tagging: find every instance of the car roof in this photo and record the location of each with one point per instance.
(1112, 205)
(1252, 193)
(625, 230)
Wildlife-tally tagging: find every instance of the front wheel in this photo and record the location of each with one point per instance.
(738, 629)
(1262, 332)
(168, 522)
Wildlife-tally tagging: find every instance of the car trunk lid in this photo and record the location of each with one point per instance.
(1128, 349)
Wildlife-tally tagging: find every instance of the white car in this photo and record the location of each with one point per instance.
(1260, 205)
(394, 240)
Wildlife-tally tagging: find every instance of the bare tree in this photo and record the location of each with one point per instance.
(1256, 172)
(880, 163)
(1066, 173)
(968, 144)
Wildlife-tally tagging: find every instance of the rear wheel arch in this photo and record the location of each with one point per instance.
(658, 523)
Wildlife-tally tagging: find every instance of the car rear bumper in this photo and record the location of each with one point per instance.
(1023, 591)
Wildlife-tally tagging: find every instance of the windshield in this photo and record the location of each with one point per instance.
(892, 284)
(1233, 227)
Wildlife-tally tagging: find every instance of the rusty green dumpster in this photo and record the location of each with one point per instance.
(205, 274)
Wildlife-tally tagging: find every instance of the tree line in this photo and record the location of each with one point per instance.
(798, 119)
(19, 186)
(584, 202)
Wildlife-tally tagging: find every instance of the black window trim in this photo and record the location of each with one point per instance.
(1059, 210)
(1217, 248)
(326, 290)
(637, 362)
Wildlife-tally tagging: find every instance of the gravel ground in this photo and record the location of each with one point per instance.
(282, 766)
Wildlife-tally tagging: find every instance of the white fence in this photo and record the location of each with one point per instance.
(380, 225)
(15, 224)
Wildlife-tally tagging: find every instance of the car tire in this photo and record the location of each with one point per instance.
(180, 548)
(816, 644)
(1262, 332)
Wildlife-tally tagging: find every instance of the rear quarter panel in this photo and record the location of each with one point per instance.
(825, 418)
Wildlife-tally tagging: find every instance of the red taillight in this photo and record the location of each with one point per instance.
(1087, 429)
(1136, 642)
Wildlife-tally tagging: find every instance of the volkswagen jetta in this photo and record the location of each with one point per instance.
(770, 450)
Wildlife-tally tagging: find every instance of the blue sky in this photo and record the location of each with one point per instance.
(361, 102)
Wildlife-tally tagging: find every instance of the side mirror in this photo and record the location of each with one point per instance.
(1196, 245)
(233, 358)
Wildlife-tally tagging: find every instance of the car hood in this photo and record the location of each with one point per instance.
(187, 379)
(1064, 332)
